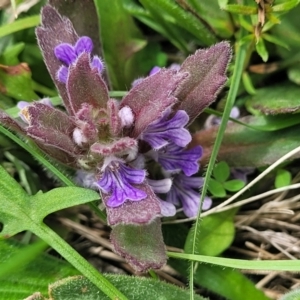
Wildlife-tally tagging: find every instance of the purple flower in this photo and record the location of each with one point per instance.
(183, 193)
(163, 186)
(164, 130)
(68, 54)
(175, 158)
(117, 180)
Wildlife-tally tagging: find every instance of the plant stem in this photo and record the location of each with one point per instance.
(74, 258)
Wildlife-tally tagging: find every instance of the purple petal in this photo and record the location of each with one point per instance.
(62, 74)
(167, 209)
(98, 64)
(128, 192)
(207, 203)
(173, 158)
(160, 132)
(116, 181)
(183, 192)
(84, 44)
(161, 186)
(65, 53)
(154, 70)
(22, 104)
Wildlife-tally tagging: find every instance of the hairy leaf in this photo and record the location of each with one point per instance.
(138, 288)
(86, 85)
(278, 99)
(134, 212)
(142, 246)
(151, 97)
(206, 68)
(246, 147)
(85, 24)
(54, 31)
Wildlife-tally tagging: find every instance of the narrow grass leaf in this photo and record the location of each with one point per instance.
(19, 25)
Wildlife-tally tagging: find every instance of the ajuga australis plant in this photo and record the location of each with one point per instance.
(134, 151)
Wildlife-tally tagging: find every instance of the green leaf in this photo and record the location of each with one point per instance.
(19, 211)
(262, 50)
(294, 74)
(221, 171)
(269, 123)
(19, 24)
(287, 5)
(229, 283)
(215, 235)
(275, 40)
(19, 259)
(29, 271)
(240, 9)
(15, 81)
(283, 178)
(121, 39)
(270, 265)
(216, 188)
(234, 185)
(246, 147)
(248, 85)
(10, 56)
(138, 288)
(278, 99)
(186, 20)
(219, 20)
(165, 26)
(226, 282)
(288, 33)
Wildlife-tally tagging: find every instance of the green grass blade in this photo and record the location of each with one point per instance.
(266, 265)
(236, 79)
(20, 24)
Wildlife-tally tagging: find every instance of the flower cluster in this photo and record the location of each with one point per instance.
(135, 151)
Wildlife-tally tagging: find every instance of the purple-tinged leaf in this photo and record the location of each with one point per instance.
(53, 138)
(84, 17)
(121, 146)
(151, 97)
(207, 69)
(85, 85)
(54, 31)
(114, 119)
(42, 115)
(137, 212)
(142, 246)
(11, 124)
